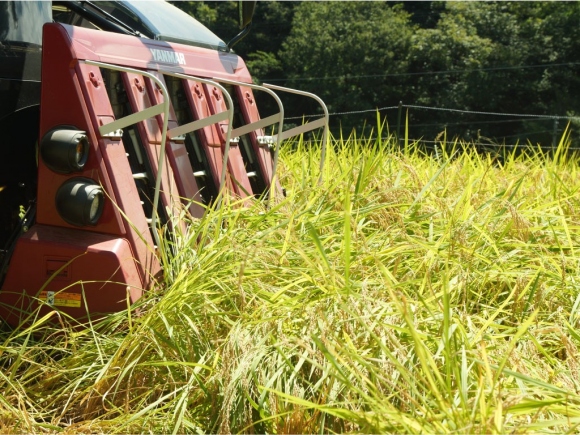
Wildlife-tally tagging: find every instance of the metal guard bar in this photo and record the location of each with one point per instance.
(262, 122)
(322, 122)
(196, 125)
(141, 116)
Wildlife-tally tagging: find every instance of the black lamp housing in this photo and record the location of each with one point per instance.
(80, 201)
(65, 149)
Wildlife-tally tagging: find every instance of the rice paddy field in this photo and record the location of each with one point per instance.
(405, 292)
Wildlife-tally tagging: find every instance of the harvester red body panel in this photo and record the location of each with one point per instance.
(132, 133)
(71, 270)
(187, 186)
(197, 99)
(117, 254)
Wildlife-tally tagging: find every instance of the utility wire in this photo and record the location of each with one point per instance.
(345, 113)
(524, 116)
(481, 144)
(424, 73)
(443, 109)
(449, 124)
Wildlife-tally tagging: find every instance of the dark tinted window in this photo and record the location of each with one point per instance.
(21, 21)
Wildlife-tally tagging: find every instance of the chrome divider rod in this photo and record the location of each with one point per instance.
(141, 116)
(196, 125)
(134, 118)
(262, 122)
(322, 122)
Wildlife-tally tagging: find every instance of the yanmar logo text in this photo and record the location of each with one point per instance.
(167, 56)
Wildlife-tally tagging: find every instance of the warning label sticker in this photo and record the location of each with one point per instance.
(61, 299)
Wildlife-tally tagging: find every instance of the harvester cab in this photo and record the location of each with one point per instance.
(116, 117)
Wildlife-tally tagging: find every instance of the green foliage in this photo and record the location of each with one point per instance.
(263, 64)
(347, 49)
(406, 294)
(453, 45)
(504, 57)
(494, 54)
(201, 11)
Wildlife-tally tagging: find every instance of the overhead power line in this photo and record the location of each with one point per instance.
(443, 109)
(522, 117)
(424, 73)
(475, 112)
(353, 112)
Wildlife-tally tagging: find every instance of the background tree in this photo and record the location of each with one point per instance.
(445, 64)
(348, 53)
(501, 57)
(505, 57)
(272, 24)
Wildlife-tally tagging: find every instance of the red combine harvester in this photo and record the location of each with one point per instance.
(115, 117)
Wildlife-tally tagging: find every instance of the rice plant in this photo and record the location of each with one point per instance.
(406, 293)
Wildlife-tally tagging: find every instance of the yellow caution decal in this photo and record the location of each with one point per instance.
(61, 299)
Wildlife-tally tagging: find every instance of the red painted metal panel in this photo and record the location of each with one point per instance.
(210, 139)
(250, 113)
(150, 133)
(155, 55)
(74, 94)
(236, 167)
(160, 55)
(63, 104)
(178, 157)
(140, 100)
(85, 269)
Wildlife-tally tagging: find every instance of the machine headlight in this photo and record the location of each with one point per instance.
(65, 150)
(80, 201)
